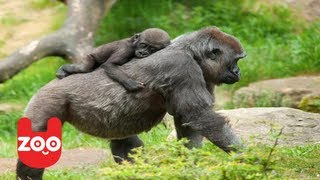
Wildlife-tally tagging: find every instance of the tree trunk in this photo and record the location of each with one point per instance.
(72, 41)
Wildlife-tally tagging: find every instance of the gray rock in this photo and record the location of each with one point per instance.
(297, 92)
(259, 124)
(299, 127)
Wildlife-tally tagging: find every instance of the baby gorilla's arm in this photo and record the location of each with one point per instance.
(84, 67)
(89, 62)
(111, 67)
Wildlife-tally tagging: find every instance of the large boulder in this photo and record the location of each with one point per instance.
(297, 92)
(260, 124)
(299, 127)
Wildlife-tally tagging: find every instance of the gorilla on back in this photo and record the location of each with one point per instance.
(179, 80)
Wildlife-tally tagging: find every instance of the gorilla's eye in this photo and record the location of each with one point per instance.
(153, 49)
(212, 54)
(216, 51)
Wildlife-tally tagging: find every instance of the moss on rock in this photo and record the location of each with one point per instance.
(310, 104)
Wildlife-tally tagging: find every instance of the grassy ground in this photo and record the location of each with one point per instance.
(278, 43)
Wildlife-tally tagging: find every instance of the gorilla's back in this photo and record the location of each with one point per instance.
(96, 105)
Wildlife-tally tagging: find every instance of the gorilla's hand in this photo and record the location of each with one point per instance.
(133, 86)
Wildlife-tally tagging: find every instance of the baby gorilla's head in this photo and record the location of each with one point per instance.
(150, 41)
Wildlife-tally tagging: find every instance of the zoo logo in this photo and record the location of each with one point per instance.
(39, 149)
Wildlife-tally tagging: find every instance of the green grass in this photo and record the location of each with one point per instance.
(60, 16)
(22, 86)
(2, 43)
(10, 20)
(42, 4)
(175, 161)
(171, 160)
(167, 160)
(300, 160)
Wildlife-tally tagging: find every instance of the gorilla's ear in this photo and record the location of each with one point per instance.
(212, 48)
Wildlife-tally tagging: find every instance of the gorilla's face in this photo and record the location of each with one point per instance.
(219, 57)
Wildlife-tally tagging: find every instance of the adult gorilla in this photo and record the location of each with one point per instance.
(179, 80)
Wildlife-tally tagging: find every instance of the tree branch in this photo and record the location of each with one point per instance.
(73, 40)
(25, 56)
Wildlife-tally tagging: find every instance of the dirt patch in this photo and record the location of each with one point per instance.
(20, 24)
(8, 107)
(81, 157)
(222, 96)
(72, 158)
(7, 165)
(308, 9)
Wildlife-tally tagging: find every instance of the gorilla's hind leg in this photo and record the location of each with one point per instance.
(121, 148)
(25, 172)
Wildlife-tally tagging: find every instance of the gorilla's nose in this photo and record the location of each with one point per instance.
(143, 54)
(236, 70)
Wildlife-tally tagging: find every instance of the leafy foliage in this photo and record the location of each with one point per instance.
(42, 4)
(174, 161)
(278, 43)
(26, 83)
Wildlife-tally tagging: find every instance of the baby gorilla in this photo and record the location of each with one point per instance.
(112, 55)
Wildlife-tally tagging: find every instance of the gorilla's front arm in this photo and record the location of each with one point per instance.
(191, 104)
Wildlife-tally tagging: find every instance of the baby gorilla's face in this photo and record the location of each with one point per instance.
(144, 49)
(149, 41)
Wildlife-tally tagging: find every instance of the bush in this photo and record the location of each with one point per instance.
(174, 161)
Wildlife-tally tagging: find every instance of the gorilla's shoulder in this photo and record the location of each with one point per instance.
(170, 57)
(173, 54)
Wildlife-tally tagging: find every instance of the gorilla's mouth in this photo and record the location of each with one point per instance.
(236, 76)
(231, 79)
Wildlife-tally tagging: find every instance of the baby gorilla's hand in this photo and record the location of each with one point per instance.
(61, 73)
(134, 86)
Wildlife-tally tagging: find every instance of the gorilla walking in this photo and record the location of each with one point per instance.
(179, 80)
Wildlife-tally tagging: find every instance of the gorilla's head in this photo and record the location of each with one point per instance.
(216, 52)
(150, 41)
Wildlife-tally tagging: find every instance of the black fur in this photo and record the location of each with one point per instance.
(179, 80)
(122, 147)
(117, 53)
